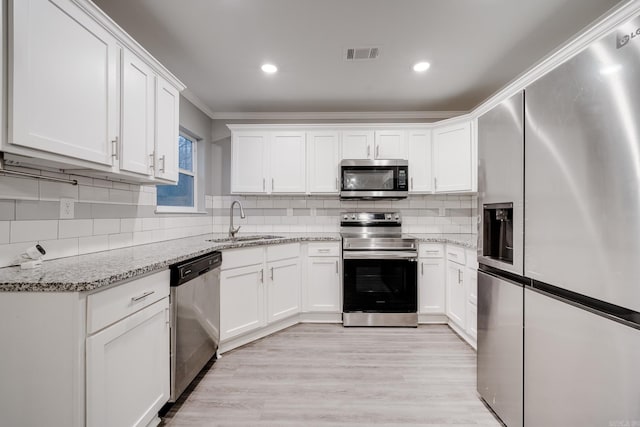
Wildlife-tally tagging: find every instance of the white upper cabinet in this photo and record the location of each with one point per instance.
(166, 131)
(288, 161)
(378, 144)
(453, 151)
(420, 161)
(390, 144)
(84, 95)
(63, 78)
(249, 162)
(357, 144)
(268, 162)
(323, 154)
(138, 115)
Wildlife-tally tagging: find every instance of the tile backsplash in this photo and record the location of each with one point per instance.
(111, 215)
(279, 214)
(108, 215)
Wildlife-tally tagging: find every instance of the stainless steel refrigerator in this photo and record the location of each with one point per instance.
(575, 297)
(582, 238)
(500, 245)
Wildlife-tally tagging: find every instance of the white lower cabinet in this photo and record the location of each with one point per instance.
(241, 300)
(471, 278)
(283, 289)
(323, 284)
(431, 279)
(258, 286)
(456, 291)
(128, 369)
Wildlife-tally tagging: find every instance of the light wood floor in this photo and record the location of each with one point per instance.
(327, 375)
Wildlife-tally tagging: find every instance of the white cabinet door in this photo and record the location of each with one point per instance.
(241, 300)
(390, 144)
(323, 154)
(323, 284)
(63, 80)
(357, 144)
(420, 161)
(249, 162)
(288, 161)
(456, 294)
(431, 286)
(167, 129)
(138, 115)
(128, 369)
(471, 279)
(452, 157)
(284, 289)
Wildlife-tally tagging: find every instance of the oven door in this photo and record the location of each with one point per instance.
(380, 281)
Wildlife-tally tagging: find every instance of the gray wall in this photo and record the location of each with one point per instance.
(221, 138)
(196, 123)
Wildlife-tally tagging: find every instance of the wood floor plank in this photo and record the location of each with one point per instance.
(327, 376)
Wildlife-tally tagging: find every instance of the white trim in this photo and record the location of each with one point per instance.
(348, 115)
(198, 103)
(178, 209)
(599, 28)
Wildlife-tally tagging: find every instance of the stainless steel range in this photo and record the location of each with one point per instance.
(380, 271)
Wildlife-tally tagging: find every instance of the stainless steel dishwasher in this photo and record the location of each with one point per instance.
(195, 318)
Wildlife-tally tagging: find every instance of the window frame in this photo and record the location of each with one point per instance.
(194, 173)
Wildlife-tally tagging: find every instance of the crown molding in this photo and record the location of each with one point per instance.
(602, 26)
(345, 115)
(193, 98)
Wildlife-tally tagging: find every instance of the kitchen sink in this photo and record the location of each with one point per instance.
(243, 238)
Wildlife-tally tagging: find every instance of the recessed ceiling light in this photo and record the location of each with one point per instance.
(421, 66)
(269, 68)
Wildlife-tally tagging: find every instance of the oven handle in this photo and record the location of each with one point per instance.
(408, 255)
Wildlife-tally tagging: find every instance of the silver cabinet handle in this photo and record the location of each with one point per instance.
(336, 183)
(143, 296)
(451, 254)
(164, 160)
(432, 252)
(368, 150)
(114, 148)
(324, 251)
(152, 162)
(271, 273)
(336, 267)
(459, 276)
(263, 184)
(273, 183)
(261, 275)
(422, 268)
(435, 183)
(377, 151)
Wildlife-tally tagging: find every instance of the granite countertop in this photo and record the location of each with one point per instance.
(92, 271)
(465, 240)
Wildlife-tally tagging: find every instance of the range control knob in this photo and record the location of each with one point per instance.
(397, 217)
(387, 216)
(346, 217)
(353, 216)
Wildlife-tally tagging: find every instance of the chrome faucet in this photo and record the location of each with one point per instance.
(234, 231)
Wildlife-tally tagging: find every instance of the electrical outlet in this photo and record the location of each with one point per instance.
(442, 212)
(67, 208)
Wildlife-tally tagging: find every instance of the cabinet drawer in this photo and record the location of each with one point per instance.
(456, 254)
(324, 249)
(430, 250)
(278, 252)
(113, 304)
(244, 257)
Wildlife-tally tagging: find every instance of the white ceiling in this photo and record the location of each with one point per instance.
(475, 47)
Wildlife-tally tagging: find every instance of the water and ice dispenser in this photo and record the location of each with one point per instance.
(498, 232)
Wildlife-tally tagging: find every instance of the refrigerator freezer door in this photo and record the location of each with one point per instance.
(581, 369)
(501, 172)
(582, 172)
(500, 340)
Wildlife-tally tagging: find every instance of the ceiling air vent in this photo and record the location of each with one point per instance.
(361, 53)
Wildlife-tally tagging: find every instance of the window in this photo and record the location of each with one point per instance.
(181, 197)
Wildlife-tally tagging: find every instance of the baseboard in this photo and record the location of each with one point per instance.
(432, 319)
(312, 317)
(241, 340)
(462, 334)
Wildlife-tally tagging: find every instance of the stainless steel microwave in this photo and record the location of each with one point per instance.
(374, 179)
